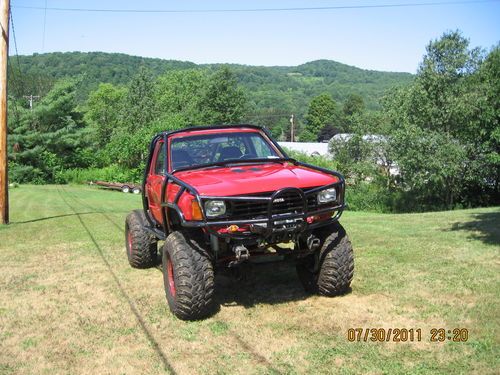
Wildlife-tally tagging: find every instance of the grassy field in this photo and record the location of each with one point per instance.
(70, 303)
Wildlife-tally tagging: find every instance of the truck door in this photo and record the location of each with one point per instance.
(154, 181)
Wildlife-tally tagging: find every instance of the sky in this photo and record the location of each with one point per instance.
(387, 39)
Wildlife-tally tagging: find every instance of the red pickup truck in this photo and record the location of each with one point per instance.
(219, 196)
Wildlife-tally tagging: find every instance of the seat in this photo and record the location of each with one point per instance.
(231, 152)
(181, 158)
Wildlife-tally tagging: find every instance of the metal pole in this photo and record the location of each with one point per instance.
(4, 53)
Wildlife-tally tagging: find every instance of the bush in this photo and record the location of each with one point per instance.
(25, 174)
(113, 173)
(363, 196)
(368, 196)
(320, 161)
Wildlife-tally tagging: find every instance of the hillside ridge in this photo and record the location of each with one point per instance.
(285, 87)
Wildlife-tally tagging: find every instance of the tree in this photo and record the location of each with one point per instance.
(49, 138)
(104, 108)
(440, 97)
(444, 124)
(277, 120)
(130, 150)
(328, 132)
(182, 93)
(431, 164)
(352, 110)
(22, 83)
(307, 136)
(353, 105)
(487, 135)
(140, 104)
(364, 154)
(322, 111)
(224, 101)
(355, 157)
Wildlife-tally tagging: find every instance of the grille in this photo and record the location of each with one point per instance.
(287, 203)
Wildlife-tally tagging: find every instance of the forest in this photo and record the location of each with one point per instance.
(286, 88)
(94, 113)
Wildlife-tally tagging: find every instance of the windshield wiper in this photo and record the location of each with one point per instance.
(226, 163)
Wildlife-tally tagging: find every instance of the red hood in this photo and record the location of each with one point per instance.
(248, 179)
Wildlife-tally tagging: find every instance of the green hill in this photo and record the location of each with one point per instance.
(287, 88)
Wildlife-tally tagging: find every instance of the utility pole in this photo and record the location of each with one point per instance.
(30, 99)
(4, 53)
(292, 130)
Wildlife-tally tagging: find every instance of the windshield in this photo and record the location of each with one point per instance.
(212, 148)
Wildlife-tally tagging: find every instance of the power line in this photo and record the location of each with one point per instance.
(44, 24)
(15, 43)
(15, 80)
(20, 86)
(296, 9)
(14, 34)
(14, 99)
(9, 65)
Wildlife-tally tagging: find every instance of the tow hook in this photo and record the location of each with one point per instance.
(313, 243)
(241, 253)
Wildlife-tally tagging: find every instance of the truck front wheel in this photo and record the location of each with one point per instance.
(188, 276)
(329, 272)
(142, 248)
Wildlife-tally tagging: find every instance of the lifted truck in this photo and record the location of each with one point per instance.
(220, 196)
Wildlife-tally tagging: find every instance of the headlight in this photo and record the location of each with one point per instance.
(327, 195)
(215, 208)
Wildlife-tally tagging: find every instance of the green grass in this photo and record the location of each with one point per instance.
(70, 303)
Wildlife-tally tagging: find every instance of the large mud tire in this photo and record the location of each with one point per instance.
(329, 272)
(188, 276)
(142, 247)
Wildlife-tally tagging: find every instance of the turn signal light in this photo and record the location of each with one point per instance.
(195, 210)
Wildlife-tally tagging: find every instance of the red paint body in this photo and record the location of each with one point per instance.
(230, 180)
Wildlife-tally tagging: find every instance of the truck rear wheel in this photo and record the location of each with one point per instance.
(329, 272)
(142, 248)
(188, 276)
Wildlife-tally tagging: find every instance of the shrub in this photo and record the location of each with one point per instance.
(320, 161)
(113, 173)
(368, 196)
(364, 195)
(24, 174)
